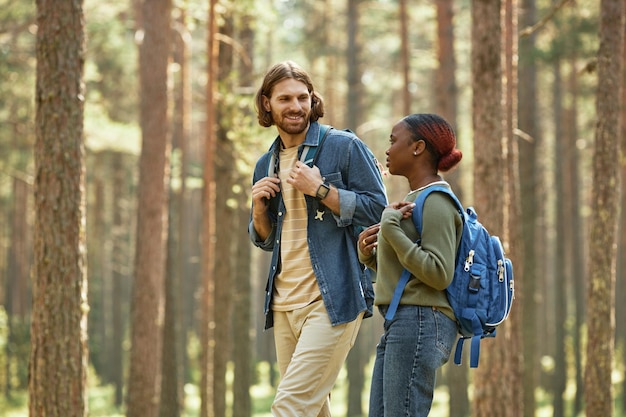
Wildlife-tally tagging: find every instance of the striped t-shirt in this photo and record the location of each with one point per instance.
(295, 286)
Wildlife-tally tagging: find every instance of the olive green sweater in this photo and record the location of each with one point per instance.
(432, 262)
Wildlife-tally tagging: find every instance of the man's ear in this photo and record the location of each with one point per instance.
(266, 104)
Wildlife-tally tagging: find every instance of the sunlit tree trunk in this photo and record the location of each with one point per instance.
(446, 97)
(58, 360)
(605, 196)
(511, 331)
(174, 338)
(224, 180)
(243, 334)
(490, 394)
(359, 354)
(207, 297)
(144, 379)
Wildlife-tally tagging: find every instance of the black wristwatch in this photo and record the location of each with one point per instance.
(322, 191)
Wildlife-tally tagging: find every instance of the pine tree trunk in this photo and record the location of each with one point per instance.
(207, 295)
(604, 214)
(144, 380)
(490, 395)
(511, 331)
(529, 141)
(58, 362)
(243, 325)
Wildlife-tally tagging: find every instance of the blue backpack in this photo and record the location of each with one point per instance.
(482, 289)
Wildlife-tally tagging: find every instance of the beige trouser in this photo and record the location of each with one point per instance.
(310, 353)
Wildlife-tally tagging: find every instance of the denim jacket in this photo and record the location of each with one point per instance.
(345, 162)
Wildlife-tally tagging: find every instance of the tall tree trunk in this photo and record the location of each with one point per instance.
(224, 179)
(511, 351)
(242, 319)
(576, 256)
(147, 306)
(58, 361)
(170, 404)
(243, 334)
(358, 355)
(174, 338)
(604, 210)
(207, 297)
(490, 395)
(529, 133)
(446, 97)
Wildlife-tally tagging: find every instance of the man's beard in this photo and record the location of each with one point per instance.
(288, 126)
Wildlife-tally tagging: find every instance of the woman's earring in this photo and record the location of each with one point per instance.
(414, 153)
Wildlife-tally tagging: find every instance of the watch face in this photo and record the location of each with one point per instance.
(322, 191)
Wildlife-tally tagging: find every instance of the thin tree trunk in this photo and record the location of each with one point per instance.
(529, 139)
(224, 228)
(357, 357)
(242, 319)
(604, 210)
(144, 384)
(207, 297)
(58, 361)
(243, 334)
(446, 97)
(576, 254)
(170, 404)
(510, 349)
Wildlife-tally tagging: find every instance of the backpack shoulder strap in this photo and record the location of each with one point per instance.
(417, 220)
(421, 199)
(309, 153)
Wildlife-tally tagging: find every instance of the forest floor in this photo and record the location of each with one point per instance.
(101, 401)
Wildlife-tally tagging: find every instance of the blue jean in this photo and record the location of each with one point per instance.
(416, 342)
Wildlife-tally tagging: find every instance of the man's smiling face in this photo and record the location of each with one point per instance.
(290, 105)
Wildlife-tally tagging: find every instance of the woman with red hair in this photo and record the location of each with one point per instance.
(419, 337)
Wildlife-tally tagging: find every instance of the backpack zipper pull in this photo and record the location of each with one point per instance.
(469, 261)
(500, 270)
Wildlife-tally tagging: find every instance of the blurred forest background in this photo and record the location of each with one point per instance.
(175, 323)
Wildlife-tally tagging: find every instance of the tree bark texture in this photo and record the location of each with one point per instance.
(604, 208)
(58, 361)
(511, 331)
(491, 396)
(144, 380)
